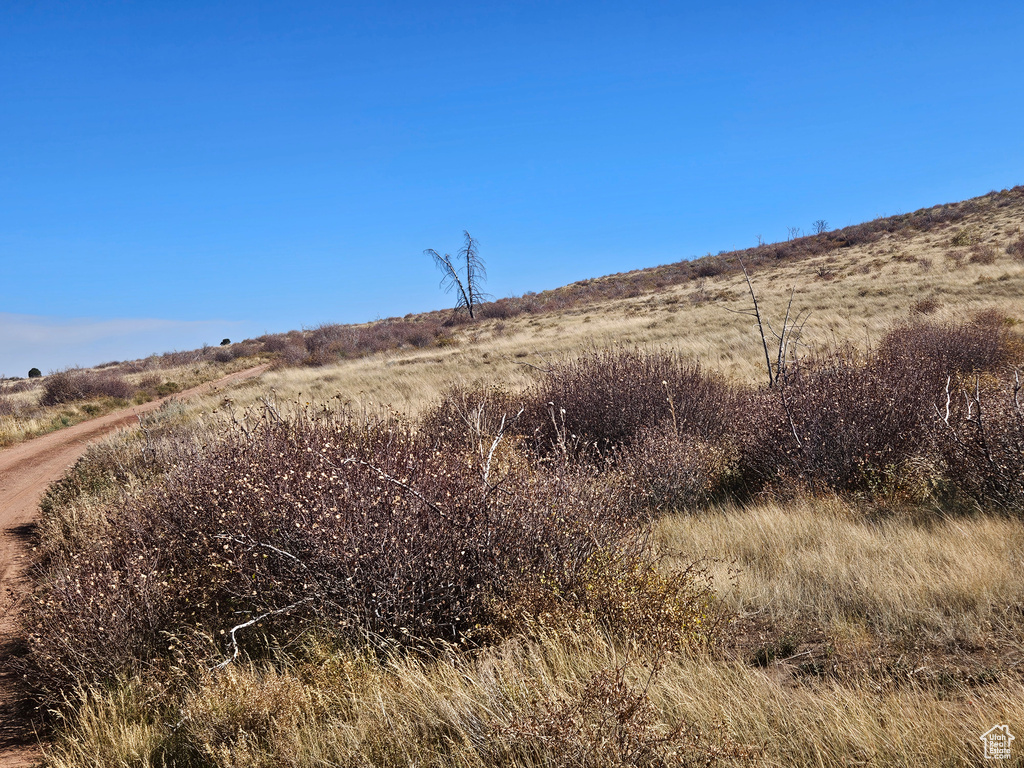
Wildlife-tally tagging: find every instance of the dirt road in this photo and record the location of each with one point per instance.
(26, 470)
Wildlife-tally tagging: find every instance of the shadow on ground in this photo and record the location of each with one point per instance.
(16, 728)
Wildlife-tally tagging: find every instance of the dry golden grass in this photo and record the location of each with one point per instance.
(935, 583)
(341, 708)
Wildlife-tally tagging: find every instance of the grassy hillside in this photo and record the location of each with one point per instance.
(944, 262)
(960, 265)
(549, 538)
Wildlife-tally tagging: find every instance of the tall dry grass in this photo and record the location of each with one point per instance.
(912, 578)
(533, 704)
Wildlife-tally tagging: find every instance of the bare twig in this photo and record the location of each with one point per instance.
(789, 415)
(531, 365)
(230, 405)
(394, 480)
(671, 407)
(497, 440)
(234, 630)
(254, 544)
(1016, 395)
(271, 407)
(560, 434)
(760, 324)
(149, 437)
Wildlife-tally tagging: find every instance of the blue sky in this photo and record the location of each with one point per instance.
(174, 173)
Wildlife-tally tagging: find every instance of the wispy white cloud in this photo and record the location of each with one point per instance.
(51, 343)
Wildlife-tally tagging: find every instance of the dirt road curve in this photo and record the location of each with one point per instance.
(26, 470)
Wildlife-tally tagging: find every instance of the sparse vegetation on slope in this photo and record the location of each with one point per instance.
(37, 406)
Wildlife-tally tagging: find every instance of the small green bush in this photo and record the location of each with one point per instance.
(34, 373)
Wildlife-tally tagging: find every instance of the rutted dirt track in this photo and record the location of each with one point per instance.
(26, 470)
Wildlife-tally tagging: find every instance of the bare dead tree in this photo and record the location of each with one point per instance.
(467, 286)
(820, 227)
(785, 339)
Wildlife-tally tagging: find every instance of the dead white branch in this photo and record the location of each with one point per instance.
(264, 545)
(235, 650)
(497, 439)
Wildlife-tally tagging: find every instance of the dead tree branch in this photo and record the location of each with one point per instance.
(393, 480)
(235, 629)
(790, 333)
(467, 289)
(497, 440)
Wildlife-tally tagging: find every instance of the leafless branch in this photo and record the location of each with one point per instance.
(150, 450)
(393, 480)
(254, 544)
(271, 408)
(760, 324)
(1016, 395)
(497, 440)
(234, 630)
(549, 369)
(450, 279)
(468, 290)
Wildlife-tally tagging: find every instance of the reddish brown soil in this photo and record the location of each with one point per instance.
(25, 472)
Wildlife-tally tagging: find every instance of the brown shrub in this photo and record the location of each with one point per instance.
(598, 402)
(19, 385)
(77, 384)
(1016, 248)
(983, 254)
(982, 344)
(661, 471)
(367, 530)
(925, 306)
(981, 440)
(278, 342)
(607, 721)
(852, 424)
(836, 423)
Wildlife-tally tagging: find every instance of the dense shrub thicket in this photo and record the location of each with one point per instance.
(366, 530)
(76, 384)
(868, 423)
(605, 399)
(498, 510)
(664, 427)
